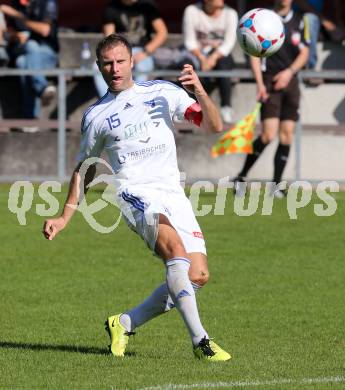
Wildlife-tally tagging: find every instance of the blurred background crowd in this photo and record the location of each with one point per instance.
(31, 30)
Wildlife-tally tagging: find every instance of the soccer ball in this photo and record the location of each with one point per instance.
(260, 32)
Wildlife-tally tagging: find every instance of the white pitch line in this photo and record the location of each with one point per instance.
(218, 385)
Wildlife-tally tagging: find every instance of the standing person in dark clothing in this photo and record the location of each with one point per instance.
(278, 90)
(141, 23)
(37, 20)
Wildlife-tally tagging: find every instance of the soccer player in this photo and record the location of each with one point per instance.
(133, 122)
(278, 89)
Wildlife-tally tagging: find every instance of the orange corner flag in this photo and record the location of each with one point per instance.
(238, 139)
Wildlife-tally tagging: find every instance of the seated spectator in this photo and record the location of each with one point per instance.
(4, 59)
(140, 22)
(313, 10)
(36, 46)
(209, 33)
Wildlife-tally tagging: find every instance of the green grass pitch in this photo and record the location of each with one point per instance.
(275, 301)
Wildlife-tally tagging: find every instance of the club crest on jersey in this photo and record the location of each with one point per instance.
(296, 38)
(150, 103)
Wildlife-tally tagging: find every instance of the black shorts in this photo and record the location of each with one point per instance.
(283, 104)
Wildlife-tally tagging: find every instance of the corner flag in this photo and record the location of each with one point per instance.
(238, 139)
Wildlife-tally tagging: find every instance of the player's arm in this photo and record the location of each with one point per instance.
(262, 94)
(159, 37)
(53, 226)
(283, 78)
(210, 119)
(108, 28)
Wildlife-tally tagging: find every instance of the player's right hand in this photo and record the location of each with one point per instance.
(261, 94)
(52, 227)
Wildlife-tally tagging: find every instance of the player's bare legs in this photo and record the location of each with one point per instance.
(170, 248)
(270, 127)
(286, 132)
(185, 273)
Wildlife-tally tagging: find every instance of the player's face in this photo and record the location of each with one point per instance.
(115, 64)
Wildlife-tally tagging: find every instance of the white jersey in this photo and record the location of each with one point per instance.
(135, 128)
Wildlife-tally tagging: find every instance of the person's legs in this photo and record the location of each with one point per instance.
(160, 301)
(27, 91)
(269, 130)
(35, 56)
(313, 24)
(146, 65)
(170, 248)
(224, 85)
(186, 271)
(288, 119)
(286, 132)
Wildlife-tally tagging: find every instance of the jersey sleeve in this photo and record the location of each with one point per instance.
(152, 11)
(187, 108)
(92, 142)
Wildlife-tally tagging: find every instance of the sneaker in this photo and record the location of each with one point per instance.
(118, 335)
(226, 114)
(48, 95)
(29, 129)
(240, 187)
(209, 350)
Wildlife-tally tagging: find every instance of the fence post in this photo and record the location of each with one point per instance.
(61, 152)
(298, 138)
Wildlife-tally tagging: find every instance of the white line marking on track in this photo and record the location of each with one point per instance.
(229, 385)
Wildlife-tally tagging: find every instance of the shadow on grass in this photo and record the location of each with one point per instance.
(51, 347)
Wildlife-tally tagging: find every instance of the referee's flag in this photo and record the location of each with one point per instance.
(239, 139)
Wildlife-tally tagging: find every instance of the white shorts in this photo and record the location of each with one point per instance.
(141, 209)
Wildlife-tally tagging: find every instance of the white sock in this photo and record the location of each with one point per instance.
(183, 296)
(153, 306)
(159, 302)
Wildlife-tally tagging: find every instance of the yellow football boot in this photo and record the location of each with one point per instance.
(209, 350)
(118, 335)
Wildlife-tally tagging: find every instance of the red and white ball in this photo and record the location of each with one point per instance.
(260, 32)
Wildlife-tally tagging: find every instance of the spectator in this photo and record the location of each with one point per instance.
(209, 30)
(313, 10)
(35, 22)
(3, 52)
(141, 23)
(278, 89)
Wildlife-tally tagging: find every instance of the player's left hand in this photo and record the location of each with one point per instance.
(282, 79)
(190, 81)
